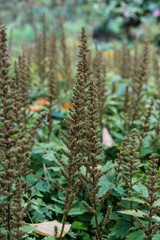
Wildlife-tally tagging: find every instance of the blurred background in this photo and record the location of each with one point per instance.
(105, 20)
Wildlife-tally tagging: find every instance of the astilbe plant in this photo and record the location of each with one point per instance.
(152, 185)
(66, 58)
(128, 164)
(83, 55)
(53, 53)
(100, 79)
(156, 71)
(121, 157)
(74, 141)
(145, 125)
(135, 59)
(51, 99)
(125, 68)
(116, 59)
(44, 39)
(23, 84)
(20, 155)
(39, 57)
(93, 148)
(134, 95)
(14, 150)
(7, 140)
(54, 56)
(156, 113)
(41, 48)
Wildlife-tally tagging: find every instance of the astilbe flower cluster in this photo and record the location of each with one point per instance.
(145, 125)
(135, 59)
(125, 68)
(14, 152)
(83, 56)
(134, 95)
(127, 164)
(53, 57)
(51, 99)
(66, 58)
(93, 148)
(156, 113)
(24, 87)
(53, 49)
(99, 74)
(152, 185)
(74, 141)
(7, 140)
(41, 48)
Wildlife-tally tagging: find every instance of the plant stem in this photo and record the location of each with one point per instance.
(63, 224)
(9, 227)
(97, 226)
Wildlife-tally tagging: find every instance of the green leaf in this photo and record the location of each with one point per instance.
(137, 213)
(78, 225)
(77, 211)
(49, 238)
(141, 189)
(156, 237)
(42, 186)
(138, 235)
(49, 156)
(133, 199)
(121, 228)
(134, 213)
(37, 150)
(28, 229)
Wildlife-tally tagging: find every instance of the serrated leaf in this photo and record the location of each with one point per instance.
(77, 211)
(138, 235)
(137, 213)
(133, 199)
(134, 213)
(121, 228)
(49, 156)
(141, 189)
(156, 237)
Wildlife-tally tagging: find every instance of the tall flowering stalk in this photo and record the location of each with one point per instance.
(74, 140)
(128, 163)
(100, 79)
(51, 98)
(134, 95)
(93, 148)
(66, 58)
(152, 185)
(14, 151)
